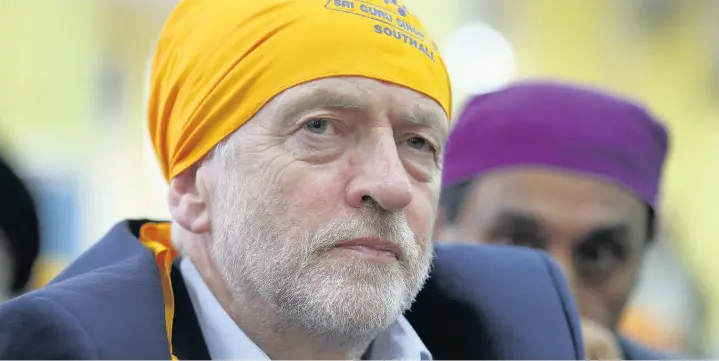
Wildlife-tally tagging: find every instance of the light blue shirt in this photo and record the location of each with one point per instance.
(226, 341)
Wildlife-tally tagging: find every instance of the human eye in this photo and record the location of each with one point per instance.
(421, 144)
(318, 125)
(597, 259)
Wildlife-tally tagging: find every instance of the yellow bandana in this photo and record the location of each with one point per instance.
(220, 61)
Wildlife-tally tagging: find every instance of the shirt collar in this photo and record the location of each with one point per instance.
(225, 340)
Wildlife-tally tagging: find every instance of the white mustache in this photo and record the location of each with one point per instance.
(392, 227)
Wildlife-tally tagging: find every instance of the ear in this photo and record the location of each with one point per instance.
(189, 202)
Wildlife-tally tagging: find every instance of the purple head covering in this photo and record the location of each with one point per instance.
(558, 126)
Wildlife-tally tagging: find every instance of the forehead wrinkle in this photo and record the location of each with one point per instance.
(321, 98)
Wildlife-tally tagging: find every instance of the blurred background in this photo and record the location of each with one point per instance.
(72, 118)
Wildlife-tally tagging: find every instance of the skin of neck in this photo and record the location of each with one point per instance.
(276, 336)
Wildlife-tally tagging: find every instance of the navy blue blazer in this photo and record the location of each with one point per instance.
(481, 302)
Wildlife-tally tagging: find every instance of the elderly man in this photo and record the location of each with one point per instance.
(565, 169)
(302, 142)
(19, 233)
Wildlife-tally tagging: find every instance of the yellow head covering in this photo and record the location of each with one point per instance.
(220, 61)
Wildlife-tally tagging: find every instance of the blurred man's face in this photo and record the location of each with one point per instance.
(595, 230)
(323, 204)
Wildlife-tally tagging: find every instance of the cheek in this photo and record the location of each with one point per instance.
(604, 302)
(619, 288)
(312, 194)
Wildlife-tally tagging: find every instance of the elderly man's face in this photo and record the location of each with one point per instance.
(323, 204)
(596, 230)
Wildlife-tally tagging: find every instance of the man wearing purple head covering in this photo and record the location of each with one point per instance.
(569, 170)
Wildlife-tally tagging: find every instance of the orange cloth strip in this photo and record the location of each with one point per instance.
(156, 237)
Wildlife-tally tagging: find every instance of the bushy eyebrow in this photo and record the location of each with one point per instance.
(425, 119)
(319, 98)
(329, 99)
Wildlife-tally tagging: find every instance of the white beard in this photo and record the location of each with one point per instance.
(261, 250)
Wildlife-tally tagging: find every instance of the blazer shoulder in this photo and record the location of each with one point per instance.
(496, 303)
(35, 327)
(116, 311)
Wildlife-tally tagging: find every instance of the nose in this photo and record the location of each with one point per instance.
(380, 178)
(585, 304)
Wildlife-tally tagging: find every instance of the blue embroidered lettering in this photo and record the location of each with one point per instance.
(377, 13)
(407, 39)
(406, 26)
(344, 4)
